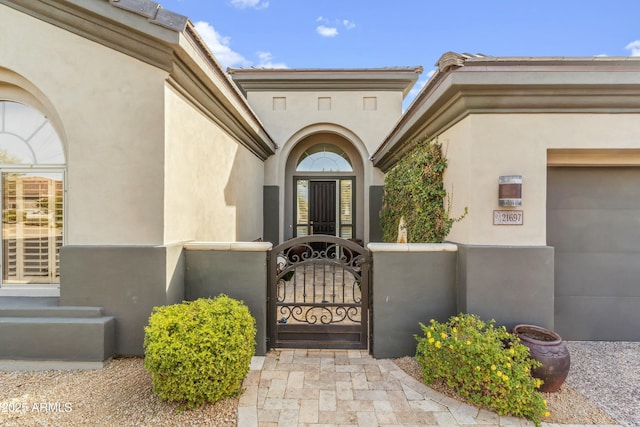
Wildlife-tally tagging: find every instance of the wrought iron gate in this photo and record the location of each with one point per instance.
(319, 294)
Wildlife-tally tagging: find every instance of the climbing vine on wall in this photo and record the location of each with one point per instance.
(414, 190)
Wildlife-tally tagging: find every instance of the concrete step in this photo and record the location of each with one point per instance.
(55, 334)
(57, 312)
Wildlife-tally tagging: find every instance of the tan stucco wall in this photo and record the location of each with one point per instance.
(482, 147)
(213, 184)
(302, 110)
(110, 107)
(143, 166)
(347, 118)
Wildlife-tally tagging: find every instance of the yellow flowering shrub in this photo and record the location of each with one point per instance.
(483, 363)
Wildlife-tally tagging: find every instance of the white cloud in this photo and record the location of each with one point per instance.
(420, 84)
(219, 46)
(634, 47)
(256, 4)
(415, 90)
(327, 31)
(330, 26)
(266, 61)
(348, 24)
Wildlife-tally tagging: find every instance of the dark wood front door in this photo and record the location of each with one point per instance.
(322, 207)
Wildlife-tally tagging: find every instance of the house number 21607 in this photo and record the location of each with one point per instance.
(505, 217)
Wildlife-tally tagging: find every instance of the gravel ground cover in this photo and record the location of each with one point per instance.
(567, 406)
(608, 374)
(118, 395)
(603, 387)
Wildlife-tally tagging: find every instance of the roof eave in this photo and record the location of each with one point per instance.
(199, 72)
(399, 79)
(145, 31)
(479, 84)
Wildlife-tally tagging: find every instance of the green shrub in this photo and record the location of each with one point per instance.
(484, 364)
(199, 351)
(414, 190)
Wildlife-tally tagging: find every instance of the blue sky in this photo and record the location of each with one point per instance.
(381, 33)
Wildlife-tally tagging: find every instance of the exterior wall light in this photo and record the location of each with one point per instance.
(510, 190)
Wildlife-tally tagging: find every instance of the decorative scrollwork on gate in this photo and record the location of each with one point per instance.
(319, 281)
(318, 314)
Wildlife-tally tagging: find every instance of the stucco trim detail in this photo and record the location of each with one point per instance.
(480, 85)
(163, 39)
(593, 157)
(238, 125)
(412, 247)
(229, 246)
(133, 34)
(283, 80)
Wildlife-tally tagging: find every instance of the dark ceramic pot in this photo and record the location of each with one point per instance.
(548, 348)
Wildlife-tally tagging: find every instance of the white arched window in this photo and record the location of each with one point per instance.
(324, 158)
(27, 137)
(32, 189)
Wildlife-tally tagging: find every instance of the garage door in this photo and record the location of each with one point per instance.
(593, 222)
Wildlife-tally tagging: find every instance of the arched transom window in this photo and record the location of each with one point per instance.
(324, 158)
(27, 137)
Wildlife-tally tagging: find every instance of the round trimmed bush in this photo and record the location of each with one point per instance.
(199, 351)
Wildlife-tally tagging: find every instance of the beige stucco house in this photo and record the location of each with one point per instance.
(124, 146)
(520, 116)
(568, 128)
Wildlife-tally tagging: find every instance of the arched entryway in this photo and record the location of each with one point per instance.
(324, 188)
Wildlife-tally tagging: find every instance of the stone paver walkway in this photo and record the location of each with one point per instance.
(347, 388)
